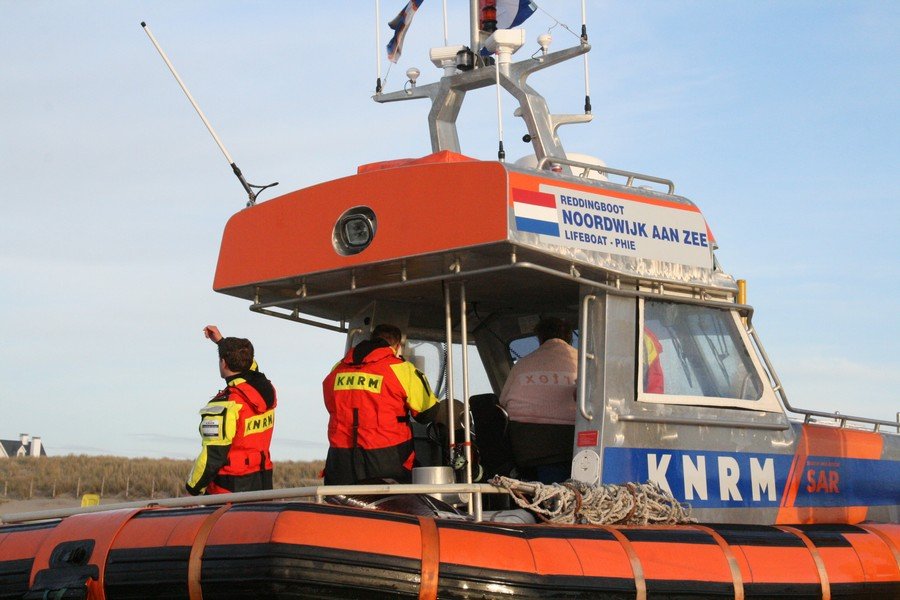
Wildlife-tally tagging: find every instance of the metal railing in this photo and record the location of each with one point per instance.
(841, 419)
(630, 176)
(318, 492)
(294, 303)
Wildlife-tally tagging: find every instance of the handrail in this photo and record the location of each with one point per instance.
(582, 359)
(298, 319)
(316, 491)
(743, 309)
(448, 330)
(467, 423)
(604, 170)
(842, 419)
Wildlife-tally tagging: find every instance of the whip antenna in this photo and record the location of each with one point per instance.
(248, 187)
(378, 46)
(445, 23)
(587, 75)
(501, 154)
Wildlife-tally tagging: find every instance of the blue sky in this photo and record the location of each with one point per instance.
(779, 119)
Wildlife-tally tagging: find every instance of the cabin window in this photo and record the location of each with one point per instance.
(431, 358)
(695, 352)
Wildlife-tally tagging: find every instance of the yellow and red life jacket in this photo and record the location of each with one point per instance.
(236, 431)
(369, 396)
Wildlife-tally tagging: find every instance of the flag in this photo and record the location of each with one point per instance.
(400, 25)
(512, 13)
(535, 212)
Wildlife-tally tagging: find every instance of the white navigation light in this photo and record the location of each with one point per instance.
(544, 40)
(412, 74)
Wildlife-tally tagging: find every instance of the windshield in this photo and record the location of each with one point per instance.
(689, 350)
(431, 358)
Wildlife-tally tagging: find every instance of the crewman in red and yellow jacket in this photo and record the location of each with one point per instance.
(236, 425)
(370, 396)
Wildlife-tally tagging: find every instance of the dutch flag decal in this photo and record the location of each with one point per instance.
(535, 212)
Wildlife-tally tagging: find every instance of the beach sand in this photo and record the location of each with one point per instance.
(11, 507)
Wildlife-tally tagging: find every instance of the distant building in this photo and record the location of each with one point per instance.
(24, 446)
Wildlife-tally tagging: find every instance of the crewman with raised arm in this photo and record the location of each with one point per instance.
(370, 396)
(236, 425)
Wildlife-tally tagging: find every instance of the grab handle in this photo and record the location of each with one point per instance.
(583, 356)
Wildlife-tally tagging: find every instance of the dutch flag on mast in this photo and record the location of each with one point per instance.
(512, 13)
(400, 24)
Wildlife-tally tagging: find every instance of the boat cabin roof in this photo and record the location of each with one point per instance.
(520, 238)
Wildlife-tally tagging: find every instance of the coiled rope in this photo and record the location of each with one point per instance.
(604, 504)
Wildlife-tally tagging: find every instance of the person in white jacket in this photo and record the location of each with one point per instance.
(539, 396)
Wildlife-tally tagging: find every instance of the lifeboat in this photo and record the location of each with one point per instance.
(465, 255)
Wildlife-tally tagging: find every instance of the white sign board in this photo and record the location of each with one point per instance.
(643, 228)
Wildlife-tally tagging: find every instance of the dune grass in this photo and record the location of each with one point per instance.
(25, 478)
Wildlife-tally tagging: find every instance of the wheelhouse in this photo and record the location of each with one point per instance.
(471, 254)
(673, 384)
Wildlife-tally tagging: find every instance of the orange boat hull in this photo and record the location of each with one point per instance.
(294, 550)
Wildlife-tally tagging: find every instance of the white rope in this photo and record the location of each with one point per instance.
(558, 22)
(605, 504)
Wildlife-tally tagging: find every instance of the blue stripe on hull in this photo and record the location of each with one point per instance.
(833, 481)
(755, 480)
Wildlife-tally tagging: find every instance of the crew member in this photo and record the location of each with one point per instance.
(370, 395)
(236, 425)
(539, 396)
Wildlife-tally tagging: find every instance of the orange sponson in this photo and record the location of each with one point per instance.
(293, 545)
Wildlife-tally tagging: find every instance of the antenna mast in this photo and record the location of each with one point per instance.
(474, 26)
(587, 74)
(378, 46)
(248, 187)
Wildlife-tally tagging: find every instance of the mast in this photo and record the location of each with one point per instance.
(447, 94)
(474, 26)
